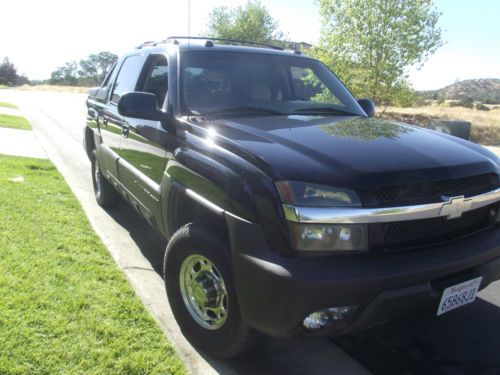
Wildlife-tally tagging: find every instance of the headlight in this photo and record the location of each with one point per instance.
(312, 195)
(323, 237)
(329, 237)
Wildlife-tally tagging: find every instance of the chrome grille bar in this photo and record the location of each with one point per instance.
(453, 207)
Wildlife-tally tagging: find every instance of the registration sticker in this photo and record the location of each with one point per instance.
(459, 295)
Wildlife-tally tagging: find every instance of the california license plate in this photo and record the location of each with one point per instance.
(459, 295)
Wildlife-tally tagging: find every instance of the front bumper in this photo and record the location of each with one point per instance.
(276, 292)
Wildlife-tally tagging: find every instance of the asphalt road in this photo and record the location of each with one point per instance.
(465, 341)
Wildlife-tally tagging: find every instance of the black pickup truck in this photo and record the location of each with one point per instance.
(288, 207)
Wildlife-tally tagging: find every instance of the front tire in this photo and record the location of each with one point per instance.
(198, 280)
(105, 193)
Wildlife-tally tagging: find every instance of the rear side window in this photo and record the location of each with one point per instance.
(127, 77)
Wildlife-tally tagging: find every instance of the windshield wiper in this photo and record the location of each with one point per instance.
(238, 110)
(323, 110)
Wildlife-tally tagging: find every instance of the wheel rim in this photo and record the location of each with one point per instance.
(204, 292)
(97, 177)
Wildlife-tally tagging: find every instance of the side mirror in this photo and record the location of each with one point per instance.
(368, 106)
(140, 105)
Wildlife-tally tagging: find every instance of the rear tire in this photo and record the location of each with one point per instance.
(105, 193)
(199, 284)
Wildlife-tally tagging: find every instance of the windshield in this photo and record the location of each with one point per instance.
(228, 83)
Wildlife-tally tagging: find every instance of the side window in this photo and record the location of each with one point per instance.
(102, 93)
(108, 76)
(156, 78)
(126, 80)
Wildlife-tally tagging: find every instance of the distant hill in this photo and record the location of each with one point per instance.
(481, 90)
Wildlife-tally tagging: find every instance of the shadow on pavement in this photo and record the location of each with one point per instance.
(464, 341)
(151, 243)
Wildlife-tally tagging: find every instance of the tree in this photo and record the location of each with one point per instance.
(8, 73)
(66, 75)
(96, 66)
(251, 23)
(371, 43)
(88, 72)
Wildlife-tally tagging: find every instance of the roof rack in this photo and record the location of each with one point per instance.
(148, 44)
(229, 41)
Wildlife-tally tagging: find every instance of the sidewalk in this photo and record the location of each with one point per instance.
(20, 143)
(10, 111)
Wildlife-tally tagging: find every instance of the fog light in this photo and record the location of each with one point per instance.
(322, 318)
(339, 313)
(317, 320)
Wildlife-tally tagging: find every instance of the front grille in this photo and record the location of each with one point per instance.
(429, 192)
(407, 234)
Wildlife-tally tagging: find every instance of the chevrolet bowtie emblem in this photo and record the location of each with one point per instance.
(454, 207)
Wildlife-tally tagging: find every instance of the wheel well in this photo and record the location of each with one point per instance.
(184, 210)
(89, 141)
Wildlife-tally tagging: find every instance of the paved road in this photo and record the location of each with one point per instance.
(466, 341)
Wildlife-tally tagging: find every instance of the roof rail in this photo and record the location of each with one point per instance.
(229, 41)
(148, 43)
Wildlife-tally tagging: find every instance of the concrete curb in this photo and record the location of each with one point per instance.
(146, 283)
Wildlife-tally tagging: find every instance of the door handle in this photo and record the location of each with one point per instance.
(92, 113)
(125, 131)
(104, 120)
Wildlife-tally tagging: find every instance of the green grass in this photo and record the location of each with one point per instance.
(8, 105)
(65, 308)
(14, 122)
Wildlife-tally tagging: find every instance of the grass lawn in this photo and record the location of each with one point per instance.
(15, 122)
(64, 305)
(8, 105)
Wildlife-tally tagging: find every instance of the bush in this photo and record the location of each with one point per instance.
(467, 102)
(481, 107)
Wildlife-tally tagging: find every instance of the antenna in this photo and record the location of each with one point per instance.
(189, 23)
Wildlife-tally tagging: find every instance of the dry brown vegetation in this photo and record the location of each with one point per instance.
(485, 124)
(72, 89)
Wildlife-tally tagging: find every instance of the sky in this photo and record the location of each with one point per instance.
(38, 36)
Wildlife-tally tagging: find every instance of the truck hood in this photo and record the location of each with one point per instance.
(350, 151)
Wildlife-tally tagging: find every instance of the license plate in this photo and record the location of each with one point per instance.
(459, 295)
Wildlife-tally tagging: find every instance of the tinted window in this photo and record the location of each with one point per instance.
(127, 77)
(156, 78)
(224, 82)
(108, 76)
(307, 86)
